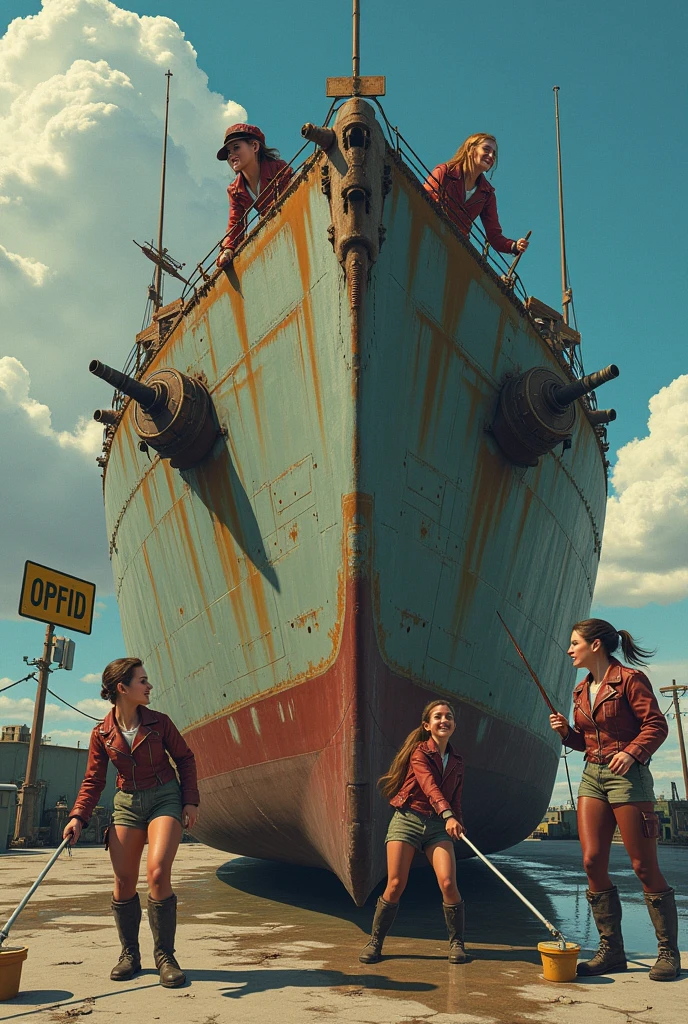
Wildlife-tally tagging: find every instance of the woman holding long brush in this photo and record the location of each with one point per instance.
(617, 722)
(461, 188)
(149, 804)
(423, 785)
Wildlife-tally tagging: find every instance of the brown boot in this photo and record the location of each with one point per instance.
(162, 916)
(127, 914)
(610, 958)
(662, 910)
(382, 922)
(454, 916)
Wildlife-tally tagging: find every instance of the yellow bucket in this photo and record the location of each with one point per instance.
(559, 964)
(11, 960)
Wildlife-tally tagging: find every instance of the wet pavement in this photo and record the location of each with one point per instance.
(262, 941)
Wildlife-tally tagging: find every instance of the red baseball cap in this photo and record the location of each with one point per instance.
(242, 131)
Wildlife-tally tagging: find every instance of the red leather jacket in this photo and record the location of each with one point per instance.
(446, 186)
(625, 716)
(144, 766)
(275, 176)
(426, 789)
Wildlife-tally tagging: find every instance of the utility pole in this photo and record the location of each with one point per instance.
(675, 691)
(24, 829)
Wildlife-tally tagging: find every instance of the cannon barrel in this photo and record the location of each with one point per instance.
(600, 417)
(323, 137)
(565, 394)
(109, 417)
(141, 393)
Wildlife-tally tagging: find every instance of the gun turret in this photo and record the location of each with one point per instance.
(600, 417)
(537, 411)
(145, 396)
(568, 393)
(108, 417)
(323, 137)
(173, 413)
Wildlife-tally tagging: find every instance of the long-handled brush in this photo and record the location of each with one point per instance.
(555, 931)
(4, 932)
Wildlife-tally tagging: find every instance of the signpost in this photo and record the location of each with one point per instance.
(54, 597)
(57, 599)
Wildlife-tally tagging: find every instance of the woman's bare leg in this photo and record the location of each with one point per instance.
(164, 836)
(126, 846)
(399, 858)
(596, 825)
(641, 850)
(443, 861)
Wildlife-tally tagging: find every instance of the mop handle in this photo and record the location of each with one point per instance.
(4, 932)
(555, 931)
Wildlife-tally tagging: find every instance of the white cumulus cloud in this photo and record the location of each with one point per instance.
(645, 549)
(91, 677)
(82, 104)
(15, 382)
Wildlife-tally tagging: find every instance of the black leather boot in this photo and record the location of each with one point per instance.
(382, 922)
(662, 910)
(610, 958)
(162, 916)
(127, 914)
(454, 916)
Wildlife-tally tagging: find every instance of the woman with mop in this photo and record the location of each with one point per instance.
(617, 722)
(424, 785)
(150, 804)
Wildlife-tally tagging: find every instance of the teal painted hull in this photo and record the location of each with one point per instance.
(340, 555)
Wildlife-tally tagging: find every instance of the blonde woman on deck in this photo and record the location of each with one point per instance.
(423, 784)
(617, 722)
(462, 190)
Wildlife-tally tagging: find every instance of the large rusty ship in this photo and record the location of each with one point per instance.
(327, 470)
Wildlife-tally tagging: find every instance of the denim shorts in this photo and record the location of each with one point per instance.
(137, 809)
(417, 830)
(634, 787)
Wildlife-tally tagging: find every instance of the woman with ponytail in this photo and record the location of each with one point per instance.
(423, 785)
(617, 722)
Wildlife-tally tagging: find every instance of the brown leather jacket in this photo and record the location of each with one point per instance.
(144, 766)
(426, 789)
(625, 716)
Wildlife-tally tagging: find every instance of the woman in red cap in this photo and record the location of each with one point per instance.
(260, 177)
(464, 193)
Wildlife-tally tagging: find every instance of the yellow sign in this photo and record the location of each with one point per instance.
(52, 596)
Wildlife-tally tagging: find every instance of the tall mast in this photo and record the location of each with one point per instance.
(566, 293)
(158, 272)
(356, 47)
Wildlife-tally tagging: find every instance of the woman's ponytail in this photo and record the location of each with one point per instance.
(633, 653)
(611, 638)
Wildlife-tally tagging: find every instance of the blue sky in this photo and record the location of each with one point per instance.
(457, 70)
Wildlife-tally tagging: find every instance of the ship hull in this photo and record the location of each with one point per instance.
(338, 558)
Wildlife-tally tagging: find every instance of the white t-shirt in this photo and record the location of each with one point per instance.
(130, 735)
(470, 191)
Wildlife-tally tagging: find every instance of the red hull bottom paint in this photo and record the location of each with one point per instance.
(292, 777)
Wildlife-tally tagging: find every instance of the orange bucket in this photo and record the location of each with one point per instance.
(11, 960)
(559, 964)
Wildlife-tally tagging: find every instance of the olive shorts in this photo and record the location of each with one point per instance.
(137, 810)
(417, 830)
(600, 783)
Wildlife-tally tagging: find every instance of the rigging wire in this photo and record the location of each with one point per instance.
(31, 675)
(57, 697)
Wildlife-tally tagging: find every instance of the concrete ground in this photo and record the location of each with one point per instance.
(264, 942)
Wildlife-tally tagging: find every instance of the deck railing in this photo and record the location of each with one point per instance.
(504, 269)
